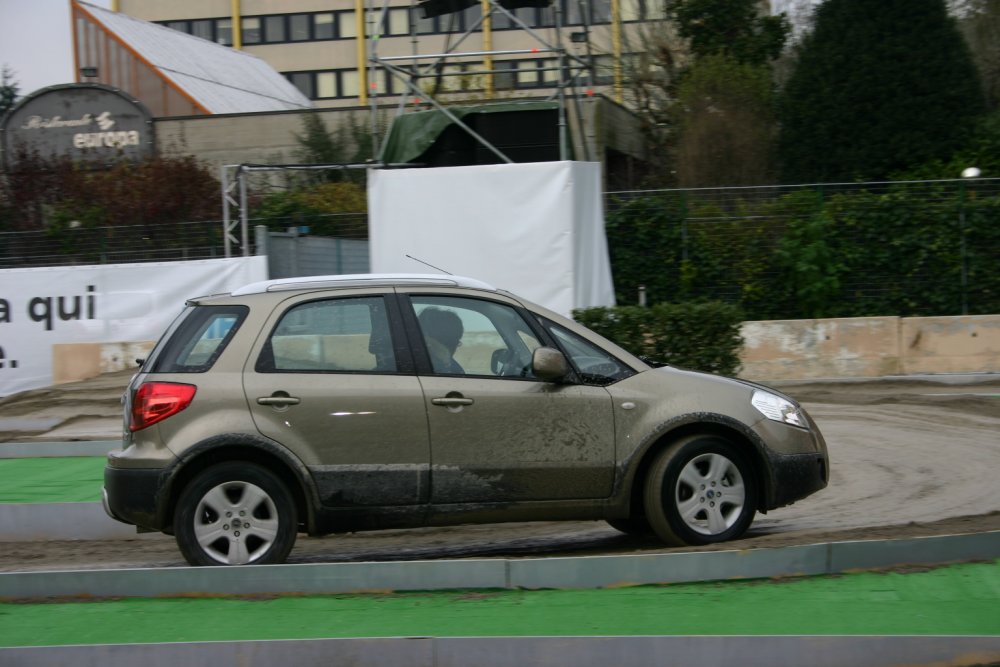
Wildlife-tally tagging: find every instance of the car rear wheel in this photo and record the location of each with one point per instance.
(700, 490)
(235, 514)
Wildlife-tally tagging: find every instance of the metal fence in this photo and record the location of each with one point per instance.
(821, 250)
(906, 248)
(111, 245)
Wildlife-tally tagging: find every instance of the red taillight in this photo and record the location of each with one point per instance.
(155, 401)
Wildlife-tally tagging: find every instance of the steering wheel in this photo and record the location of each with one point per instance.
(505, 363)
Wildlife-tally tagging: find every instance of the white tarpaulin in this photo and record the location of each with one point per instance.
(44, 307)
(536, 229)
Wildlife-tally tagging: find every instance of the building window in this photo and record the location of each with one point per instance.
(548, 73)
(600, 11)
(347, 25)
(298, 28)
(202, 29)
(382, 80)
(505, 80)
(274, 29)
(427, 26)
(524, 14)
(304, 82)
(224, 32)
(323, 26)
(546, 17)
(471, 17)
(397, 22)
(251, 30)
(527, 74)
(350, 84)
(326, 85)
(631, 10)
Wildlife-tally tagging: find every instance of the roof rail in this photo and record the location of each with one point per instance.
(359, 280)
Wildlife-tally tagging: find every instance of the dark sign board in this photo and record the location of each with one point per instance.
(85, 122)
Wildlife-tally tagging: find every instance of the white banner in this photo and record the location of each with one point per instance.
(114, 303)
(536, 229)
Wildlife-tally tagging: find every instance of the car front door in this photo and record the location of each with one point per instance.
(498, 433)
(332, 381)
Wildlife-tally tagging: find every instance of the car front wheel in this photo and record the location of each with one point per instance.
(700, 490)
(235, 514)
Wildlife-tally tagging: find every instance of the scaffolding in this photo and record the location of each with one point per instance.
(411, 70)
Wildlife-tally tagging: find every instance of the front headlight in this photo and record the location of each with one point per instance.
(777, 408)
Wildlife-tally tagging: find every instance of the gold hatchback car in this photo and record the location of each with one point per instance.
(347, 403)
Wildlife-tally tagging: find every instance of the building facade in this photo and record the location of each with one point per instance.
(332, 50)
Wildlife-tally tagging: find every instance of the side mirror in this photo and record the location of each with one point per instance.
(549, 365)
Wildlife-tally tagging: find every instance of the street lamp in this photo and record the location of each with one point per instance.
(967, 173)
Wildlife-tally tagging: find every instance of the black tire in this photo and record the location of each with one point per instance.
(700, 490)
(636, 526)
(235, 514)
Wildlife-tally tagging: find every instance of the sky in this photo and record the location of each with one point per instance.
(36, 42)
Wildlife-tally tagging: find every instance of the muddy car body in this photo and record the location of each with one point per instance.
(328, 404)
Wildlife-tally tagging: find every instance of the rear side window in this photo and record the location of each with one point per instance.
(200, 339)
(332, 335)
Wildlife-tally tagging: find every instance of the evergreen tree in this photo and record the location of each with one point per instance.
(879, 86)
(733, 28)
(9, 89)
(348, 143)
(725, 122)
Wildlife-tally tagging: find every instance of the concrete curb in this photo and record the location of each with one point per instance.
(23, 522)
(531, 573)
(31, 450)
(702, 651)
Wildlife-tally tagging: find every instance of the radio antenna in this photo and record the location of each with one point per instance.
(430, 265)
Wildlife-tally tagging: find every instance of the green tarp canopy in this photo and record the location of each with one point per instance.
(413, 133)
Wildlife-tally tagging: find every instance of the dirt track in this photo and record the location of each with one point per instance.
(908, 458)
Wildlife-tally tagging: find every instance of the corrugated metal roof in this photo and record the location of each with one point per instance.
(221, 79)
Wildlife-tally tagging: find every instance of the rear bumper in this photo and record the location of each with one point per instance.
(132, 496)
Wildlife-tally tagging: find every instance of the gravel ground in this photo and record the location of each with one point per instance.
(909, 458)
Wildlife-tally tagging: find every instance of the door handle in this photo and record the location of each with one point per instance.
(278, 400)
(452, 401)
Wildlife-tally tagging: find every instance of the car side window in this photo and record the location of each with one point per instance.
(466, 336)
(592, 364)
(199, 339)
(331, 335)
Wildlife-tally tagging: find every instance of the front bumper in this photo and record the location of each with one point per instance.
(795, 476)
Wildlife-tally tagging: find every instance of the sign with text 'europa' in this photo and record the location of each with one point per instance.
(84, 122)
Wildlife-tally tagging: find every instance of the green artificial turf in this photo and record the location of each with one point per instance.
(954, 600)
(52, 480)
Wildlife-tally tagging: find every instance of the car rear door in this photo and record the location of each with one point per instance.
(331, 379)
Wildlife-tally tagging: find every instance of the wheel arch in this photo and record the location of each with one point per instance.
(703, 424)
(250, 449)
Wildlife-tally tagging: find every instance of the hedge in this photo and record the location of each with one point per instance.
(699, 336)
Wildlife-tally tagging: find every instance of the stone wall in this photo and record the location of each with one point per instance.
(870, 347)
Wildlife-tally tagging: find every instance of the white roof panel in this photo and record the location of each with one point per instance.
(221, 79)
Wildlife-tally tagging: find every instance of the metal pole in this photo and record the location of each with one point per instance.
(244, 221)
(962, 248)
(563, 148)
(224, 177)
